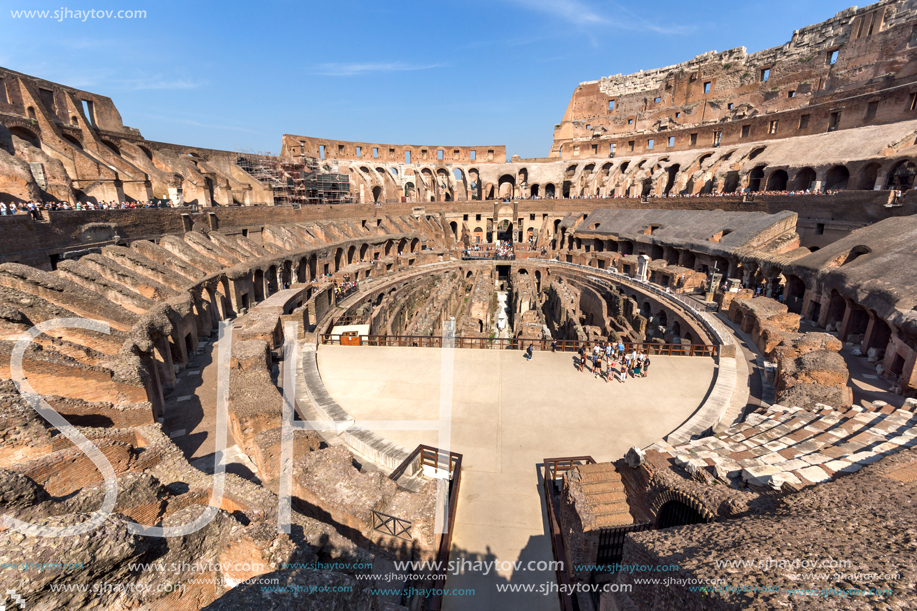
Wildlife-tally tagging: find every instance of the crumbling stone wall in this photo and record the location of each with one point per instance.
(809, 369)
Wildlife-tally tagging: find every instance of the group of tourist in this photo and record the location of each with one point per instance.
(35, 208)
(345, 288)
(501, 250)
(618, 362)
(693, 195)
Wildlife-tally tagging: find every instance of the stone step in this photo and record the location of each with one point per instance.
(604, 509)
(602, 487)
(610, 520)
(600, 477)
(608, 498)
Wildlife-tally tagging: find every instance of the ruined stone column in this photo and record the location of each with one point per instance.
(643, 264)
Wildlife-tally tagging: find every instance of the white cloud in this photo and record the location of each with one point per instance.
(581, 14)
(571, 11)
(358, 68)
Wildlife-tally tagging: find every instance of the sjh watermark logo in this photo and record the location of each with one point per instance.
(66, 14)
(12, 595)
(290, 360)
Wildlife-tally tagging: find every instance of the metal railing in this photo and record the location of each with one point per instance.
(504, 343)
(554, 470)
(360, 319)
(390, 525)
(434, 457)
(611, 542)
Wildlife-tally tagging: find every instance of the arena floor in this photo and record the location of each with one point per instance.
(509, 414)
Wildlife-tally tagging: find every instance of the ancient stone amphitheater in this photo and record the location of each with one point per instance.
(176, 433)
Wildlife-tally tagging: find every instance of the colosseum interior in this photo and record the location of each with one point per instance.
(291, 374)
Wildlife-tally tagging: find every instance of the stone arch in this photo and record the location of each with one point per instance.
(271, 280)
(837, 177)
(805, 179)
(866, 181)
(364, 249)
(902, 176)
(777, 181)
(72, 140)
(881, 333)
(837, 305)
(377, 194)
(673, 173)
(453, 226)
(506, 186)
(755, 177)
(350, 254)
(286, 273)
(112, 147)
(338, 259)
(415, 245)
(26, 134)
(688, 259)
(676, 508)
(794, 293)
(550, 190)
(258, 285)
(647, 187)
(731, 182)
(302, 271)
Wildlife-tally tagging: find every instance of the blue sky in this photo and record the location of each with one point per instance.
(238, 75)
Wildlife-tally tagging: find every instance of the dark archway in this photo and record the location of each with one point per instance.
(777, 180)
(673, 172)
(377, 194)
(731, 182)
(338, 257)
(549, 191)
(506, 186)
(755, 177)
(676, 513)
(258, 286)
(902, 176)
(837, 177)
(795, 291)
(27, 135)
(868, 177)
(836, 308)
(72, 140)
(805, 179)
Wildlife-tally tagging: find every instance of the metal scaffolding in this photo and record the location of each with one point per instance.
(296, 182)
